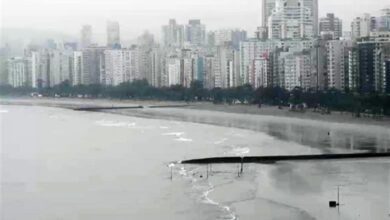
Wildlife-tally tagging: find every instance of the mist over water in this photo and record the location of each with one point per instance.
(79, 165)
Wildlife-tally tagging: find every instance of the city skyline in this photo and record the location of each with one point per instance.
(288, 52)
(153, 14)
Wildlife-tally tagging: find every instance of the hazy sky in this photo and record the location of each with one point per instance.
(136, 16)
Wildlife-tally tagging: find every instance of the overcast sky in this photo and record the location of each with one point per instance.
(136, 16)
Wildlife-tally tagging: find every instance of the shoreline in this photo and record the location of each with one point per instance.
(274, 111)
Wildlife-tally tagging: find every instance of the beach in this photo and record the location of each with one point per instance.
(103, 155)
(338, 117)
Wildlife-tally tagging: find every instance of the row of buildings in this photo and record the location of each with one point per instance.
(292, 48)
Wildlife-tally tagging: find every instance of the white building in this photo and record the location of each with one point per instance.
(77, 68)
(297, 70)
(61, 66)
(361, 26)
(120, 66)
(251, 51)
(174, 70)
(291, 19)
(19, 72)
(255, 50)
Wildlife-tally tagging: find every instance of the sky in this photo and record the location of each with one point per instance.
(68, 16)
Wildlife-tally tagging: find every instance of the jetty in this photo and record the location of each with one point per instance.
(275, 159)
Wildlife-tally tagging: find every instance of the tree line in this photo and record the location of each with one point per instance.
(329, 100)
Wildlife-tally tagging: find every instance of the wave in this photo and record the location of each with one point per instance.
(183, 139)
(177, 134)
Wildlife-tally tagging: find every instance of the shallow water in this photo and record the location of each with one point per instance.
(60, 164)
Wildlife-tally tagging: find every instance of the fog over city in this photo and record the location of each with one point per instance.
(67, 16)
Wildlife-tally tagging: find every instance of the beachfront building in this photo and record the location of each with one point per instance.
(77, 68)
(19, 72)
(173, 70)
(337, 51)
(91, 62)
(61, 66)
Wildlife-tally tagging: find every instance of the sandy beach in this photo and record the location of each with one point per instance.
(337, 117)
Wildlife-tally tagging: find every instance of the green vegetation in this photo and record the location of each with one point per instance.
(323, 101)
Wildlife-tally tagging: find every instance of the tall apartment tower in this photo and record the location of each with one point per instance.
(292, 19)
(113, 34)
(267, 7)
(270, 7)
(361, 26)
(331, 25)
(173, 34)
(195, 32)
(86, 36)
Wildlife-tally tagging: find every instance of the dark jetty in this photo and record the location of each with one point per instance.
(97, 108)
(169, 106)
(274, 159)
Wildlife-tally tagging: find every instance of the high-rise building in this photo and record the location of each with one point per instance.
(250, 51)
(262, 69)
(86, 36)
(337, 53)
(231, 36)
(210, 64)
(292, 19)
(267, 7)
(61, 66)
(120, 66)
(77, 68)
(297, 69)
(173, 34)
(156, 69)
(383, 21)
(361, 26)
(331, 25)
(371, 63)
(174, 70)
(113, 35)
(19, 72)
(91, 63)
(226, 72)
(195, 32)
(386, 72)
